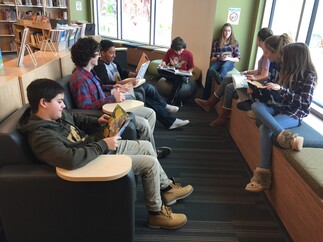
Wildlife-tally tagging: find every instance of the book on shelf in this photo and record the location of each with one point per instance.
(117, 122)
(49, 3)
(1, 60)
(175, 71)
(57, 35)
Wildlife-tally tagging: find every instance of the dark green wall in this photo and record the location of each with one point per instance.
(85, 14)
(246, 31)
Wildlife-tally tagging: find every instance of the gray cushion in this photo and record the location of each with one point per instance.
(309, 165)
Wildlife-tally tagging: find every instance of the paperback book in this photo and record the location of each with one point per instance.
(241, 81)
(175, 71)
(117, 122)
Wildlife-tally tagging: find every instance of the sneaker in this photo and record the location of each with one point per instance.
(176, 192)
(171, 108)
(178, 123)
(163, 151)
(166, 219)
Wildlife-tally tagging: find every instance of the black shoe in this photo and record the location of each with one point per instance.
(163, 151)
(245, 105)
(218, 79)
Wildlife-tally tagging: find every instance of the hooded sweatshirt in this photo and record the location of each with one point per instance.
(62, 143)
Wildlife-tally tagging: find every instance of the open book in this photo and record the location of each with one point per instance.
(143, 59)
(117, 122)
(175, 71)
(141, 69)
(241, 81)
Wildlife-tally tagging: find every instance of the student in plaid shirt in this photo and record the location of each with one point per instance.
(225, 53)
(295, 87)
(87, 91)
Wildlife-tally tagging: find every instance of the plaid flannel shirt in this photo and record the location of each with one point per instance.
(87, 91)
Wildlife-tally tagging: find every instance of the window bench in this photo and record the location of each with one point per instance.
(297, 189)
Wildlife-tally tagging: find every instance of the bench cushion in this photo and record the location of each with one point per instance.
(309, 165)
(312, 138)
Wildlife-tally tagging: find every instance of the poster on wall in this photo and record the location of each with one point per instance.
(233, 16)
(78, 5)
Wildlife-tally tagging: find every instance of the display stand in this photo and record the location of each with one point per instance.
(23, 47)
(50, 45)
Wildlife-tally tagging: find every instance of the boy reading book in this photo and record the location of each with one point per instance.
(106, 70)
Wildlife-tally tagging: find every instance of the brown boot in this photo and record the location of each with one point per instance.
(289, 140)
(260, 181)
(207, 104)
(166, 219)
(222, 119)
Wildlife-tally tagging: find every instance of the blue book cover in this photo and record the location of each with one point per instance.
(1, 60)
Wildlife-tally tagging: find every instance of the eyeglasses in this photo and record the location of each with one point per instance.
(97, 54)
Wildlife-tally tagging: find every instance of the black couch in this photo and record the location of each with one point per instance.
(129, 133)
(37, 205)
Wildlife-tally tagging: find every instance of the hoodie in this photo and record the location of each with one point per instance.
(63, 143)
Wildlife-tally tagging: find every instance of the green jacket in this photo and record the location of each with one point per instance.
(63, 143)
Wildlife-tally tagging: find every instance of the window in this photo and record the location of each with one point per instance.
(303, 20)
(142, 21)
(107, 21)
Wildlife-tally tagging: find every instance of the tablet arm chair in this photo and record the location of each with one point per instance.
(37, 205)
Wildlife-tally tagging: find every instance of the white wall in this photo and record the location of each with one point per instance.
(195, 28)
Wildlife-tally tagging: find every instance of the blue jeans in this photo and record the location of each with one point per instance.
(222, 67)
(271, 126)
(158, 104)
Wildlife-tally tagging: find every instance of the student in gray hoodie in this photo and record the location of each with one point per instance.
(71, 141)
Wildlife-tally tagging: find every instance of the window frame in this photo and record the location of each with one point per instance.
(267, 21)
(152, 26)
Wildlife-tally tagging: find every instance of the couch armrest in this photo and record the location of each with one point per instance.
(37, 205)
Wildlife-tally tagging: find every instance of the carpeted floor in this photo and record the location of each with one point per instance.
(219, 209)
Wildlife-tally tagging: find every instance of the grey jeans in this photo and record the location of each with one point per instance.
(145, 124)
(146, 165)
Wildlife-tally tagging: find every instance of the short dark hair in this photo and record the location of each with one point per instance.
(42, 88)
(178, 43)
(264, 34)
(83, 50)
(105, 45)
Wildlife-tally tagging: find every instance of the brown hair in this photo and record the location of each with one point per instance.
(232, 40)
(275, 43)
(297, 64)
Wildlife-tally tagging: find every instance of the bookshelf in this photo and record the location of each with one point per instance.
(37, 32)
(15, 15)
(7, 18)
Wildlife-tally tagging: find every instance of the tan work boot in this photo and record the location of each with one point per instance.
(207, 104)
(222, 119)
(166, 219)
(176, 192)
(289, 140)
(260, 181)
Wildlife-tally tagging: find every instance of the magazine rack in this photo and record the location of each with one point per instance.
(23, 47)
